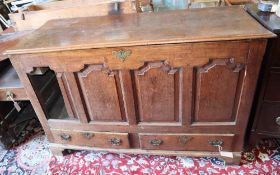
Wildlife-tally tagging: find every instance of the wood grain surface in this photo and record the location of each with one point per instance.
(196, 25)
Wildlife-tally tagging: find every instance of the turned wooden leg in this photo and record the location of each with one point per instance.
(57, 151)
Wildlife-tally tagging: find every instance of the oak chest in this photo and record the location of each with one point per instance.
(178, 83)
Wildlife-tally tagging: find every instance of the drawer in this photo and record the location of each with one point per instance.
(18, 94)
(272, 90)
(92, 139)
(269, 118)
(186, 142)
(9, 82)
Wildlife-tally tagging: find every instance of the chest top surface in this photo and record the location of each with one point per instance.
(8, 40)
(197, 25)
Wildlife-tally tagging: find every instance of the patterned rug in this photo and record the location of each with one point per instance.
(34, 157)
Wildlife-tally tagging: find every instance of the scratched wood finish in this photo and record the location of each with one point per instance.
(136, 88)
(8, 40)
(230, 23)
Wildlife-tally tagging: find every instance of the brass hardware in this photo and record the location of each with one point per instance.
(216, 142)
(277, 120)
(156, 142)
(65, 137)
(10, 96)
(122, 54)
(115, 141)
(88, 135)
(184, 139)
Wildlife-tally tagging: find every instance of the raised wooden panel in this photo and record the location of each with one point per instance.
(217, 91)
(102, 93)
(157, 88)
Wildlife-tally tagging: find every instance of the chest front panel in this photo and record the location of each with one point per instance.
(182, 87)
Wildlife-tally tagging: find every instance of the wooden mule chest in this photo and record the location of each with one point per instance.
(177, 83)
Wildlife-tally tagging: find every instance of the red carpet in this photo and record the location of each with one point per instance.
(260, 161)
(35, 158)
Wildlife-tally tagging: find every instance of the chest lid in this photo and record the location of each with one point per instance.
(193, 25)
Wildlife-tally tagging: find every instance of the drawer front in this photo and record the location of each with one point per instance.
(93, 139)
(186, 142)
(269, 118)
(17, 93)
(272, 90)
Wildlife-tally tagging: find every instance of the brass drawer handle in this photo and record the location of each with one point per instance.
(115, 141)
(88, 135)
(65, 137)
(156, 142)
(122, 54)
(216, 142)
(277, 120)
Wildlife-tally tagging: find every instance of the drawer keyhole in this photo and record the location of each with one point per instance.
(156, 142)
(88, 135)
(184, 139)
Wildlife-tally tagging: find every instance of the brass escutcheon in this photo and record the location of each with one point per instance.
(122, 54)
(88, 135)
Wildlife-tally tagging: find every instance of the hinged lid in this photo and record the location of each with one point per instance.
(193, 25)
